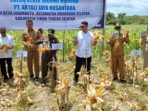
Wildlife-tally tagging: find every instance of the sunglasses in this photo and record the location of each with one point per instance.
(82, 26)
(118, 28)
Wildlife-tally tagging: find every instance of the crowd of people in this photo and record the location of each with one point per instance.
(32, 38)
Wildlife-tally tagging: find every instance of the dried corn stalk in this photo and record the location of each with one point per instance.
(97, 35)
(72, 55)
(125, 34)
(3, 49)
(133, 74)
(107, 55)
(43, 49)
(94, 95)
(85, 77)
(20, 85)
(63, 89)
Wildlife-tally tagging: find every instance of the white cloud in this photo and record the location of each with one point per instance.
(130, 7)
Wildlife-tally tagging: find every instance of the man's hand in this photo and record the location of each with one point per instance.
(7, 46)
(30, 45)
(126, 33)
(111, 40)
(75, 41)
(126, 36)
(94, 42)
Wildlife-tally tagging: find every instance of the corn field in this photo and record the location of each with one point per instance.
(67, 37)
(96, 92)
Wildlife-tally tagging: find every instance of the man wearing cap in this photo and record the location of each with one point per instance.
(48, 56)
(144, 37)
(7, 42)
(116, 42)
(29, 38)
(84, 41)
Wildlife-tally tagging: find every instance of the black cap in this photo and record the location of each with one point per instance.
(51, 31)
(84, 23)
(117, 25)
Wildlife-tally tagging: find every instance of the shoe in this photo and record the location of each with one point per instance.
(115, 79)
(11, 77)
(31, 76)
(43, 81)
(36, 79)
(74, 83)
(123, 81)
(6, 80)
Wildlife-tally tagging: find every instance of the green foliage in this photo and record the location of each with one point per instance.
(124, 19)
(67, 36)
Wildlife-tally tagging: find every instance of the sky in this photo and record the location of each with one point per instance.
(130, 7)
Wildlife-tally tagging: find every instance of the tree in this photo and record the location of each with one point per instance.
(121, 18)
(110, 17)
(121, 15)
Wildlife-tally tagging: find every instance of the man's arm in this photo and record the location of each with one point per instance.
(24, 39)
(75, 41)
(111, 40)
(94, 41)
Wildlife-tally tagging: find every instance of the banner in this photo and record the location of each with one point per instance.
(55, 14)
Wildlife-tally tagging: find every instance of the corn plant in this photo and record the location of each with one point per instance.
(63, 89)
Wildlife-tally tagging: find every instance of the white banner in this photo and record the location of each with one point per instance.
(56, 14)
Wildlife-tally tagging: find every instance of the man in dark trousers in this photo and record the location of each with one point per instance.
(7, 41)
(49, 56)
(84, 41)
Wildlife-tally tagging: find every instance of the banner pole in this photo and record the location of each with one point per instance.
(103, 32)
(63, 45)
(102, 44)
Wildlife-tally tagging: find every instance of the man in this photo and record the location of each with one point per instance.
(7, 44)
(116, 42)
(48, 56)
(144, 37)
(84, 41)
(29, 38)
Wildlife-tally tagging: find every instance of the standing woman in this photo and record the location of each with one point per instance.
(144, 43)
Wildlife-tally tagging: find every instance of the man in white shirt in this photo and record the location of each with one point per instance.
(84, 41)
(6, 56)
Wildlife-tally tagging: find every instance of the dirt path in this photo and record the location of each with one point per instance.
(43, 99)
